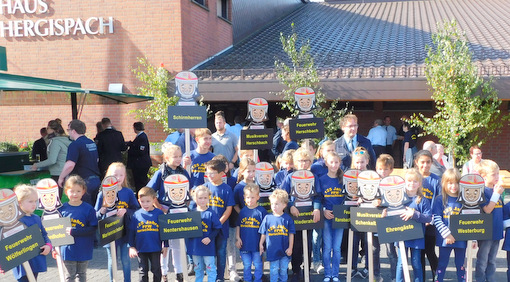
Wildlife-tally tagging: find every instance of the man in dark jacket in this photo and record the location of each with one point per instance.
(110, 145)
(139, 160)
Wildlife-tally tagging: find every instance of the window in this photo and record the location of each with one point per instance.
(201, 2)
(223, 9)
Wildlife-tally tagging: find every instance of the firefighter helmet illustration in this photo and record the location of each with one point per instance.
(302, 183)
(186, 87)
(305, 100)
(350, 180)
(471, 190)
(368, 183)
(177, 188)
(110, 187)
(257, 110)
(393, 191)
(264, 173)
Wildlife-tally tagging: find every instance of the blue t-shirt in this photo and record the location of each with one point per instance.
(198, 167)
(497, 214)
(249, 223)
(83, 152)
(431, 188)
(38, 263)
(84, 225)
(280, 176)
(277, 230)
(222, 197)
(239, 194)
(158, 183)
(452, 208)
(319, 168)
(211, 225)
(506, 216)
(423, 215)
(291, 145)
(330, 191)
(126, 200)
(144, 231)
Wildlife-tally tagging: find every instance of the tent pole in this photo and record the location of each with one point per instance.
(74, 105)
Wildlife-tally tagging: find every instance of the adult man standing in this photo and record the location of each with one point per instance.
(436, 168)
(223, 141)
(110, 145)
(391, 135)
(82, 158)
(139, 160)
(350, 140)
(377, 136)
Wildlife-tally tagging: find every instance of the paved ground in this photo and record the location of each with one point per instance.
(98, 270)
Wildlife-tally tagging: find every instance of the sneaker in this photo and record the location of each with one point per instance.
(320, 269)
(327, 279)
(164, 278)
(335, 279)
(191, 270)
(234, 277)
(355, 273)
(378, 279)
(364, 273)
(179, 277)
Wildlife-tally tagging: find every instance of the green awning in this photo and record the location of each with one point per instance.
(9, 82)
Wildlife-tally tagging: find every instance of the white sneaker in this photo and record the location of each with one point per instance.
(234, 277)
(320, 269)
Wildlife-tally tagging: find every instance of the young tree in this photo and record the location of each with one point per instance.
(302, 73)
(467, 105)
(155, 82)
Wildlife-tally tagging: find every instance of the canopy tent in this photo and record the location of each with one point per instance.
(10, 82)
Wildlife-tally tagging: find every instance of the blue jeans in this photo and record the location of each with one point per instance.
(357, 237)
(221, 255)
(249, 258)
(123, 251)
(207, 264)
(393, 258)
(278, 269)
(444, 256)
(332, 239)
(415, 262)
(486, 260)
(316, 245)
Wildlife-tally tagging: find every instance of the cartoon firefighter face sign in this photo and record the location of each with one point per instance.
(177, 188)
(264, 173)
(110, 186)
(393, 190)
(10, 213)
(471, 190)
(305, 100)
(186, 87)
(368, 183)
(257, 110)
(350, 180)
(47, 190)
(302, 185)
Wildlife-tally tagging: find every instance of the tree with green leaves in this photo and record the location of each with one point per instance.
(302, 73)
(155, 83)
(467, 106)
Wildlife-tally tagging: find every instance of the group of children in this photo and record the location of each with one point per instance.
(230, 208)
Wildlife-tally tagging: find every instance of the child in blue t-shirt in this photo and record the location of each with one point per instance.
(221, 202)
(446, 205)
(277, 231)
(418, 209)
(203, 248)
(247, 232)
(27, 199)
(84, 224)
(488, 249)
(144, 240)
(331, 195)
(126, 206)
(200, 156)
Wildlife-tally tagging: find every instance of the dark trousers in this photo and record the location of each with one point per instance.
(430, 251)
(297, 250)
(140, 178)
(155, 266)
(379, 150)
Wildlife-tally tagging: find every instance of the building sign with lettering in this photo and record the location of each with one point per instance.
(38, 25)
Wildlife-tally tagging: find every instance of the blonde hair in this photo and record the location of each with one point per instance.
(339, 173)
(75, 180)
(279, 195)
(147, 192)
(168, 149)
(243, 165)
(486, 166)
(111, 172)
(198, 189)
(24, 191)
(360, 152)
(450, 175)
(251, 188)
(323, 146)
(386, 161)
(347, 118)
(201, 132)
(415, 175)
(302, 153)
